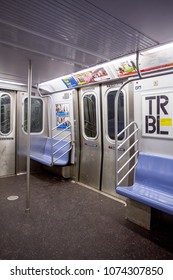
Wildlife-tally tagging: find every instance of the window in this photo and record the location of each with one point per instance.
(111, 114)
(36, 115)
(89, 106)
(5, 113)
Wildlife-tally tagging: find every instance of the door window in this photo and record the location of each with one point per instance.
(36, 115)
(90, 122)
(5, 114)
(111, 114)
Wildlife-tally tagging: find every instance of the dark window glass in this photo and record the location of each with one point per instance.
(111, 114)
(90, 126)
(5, 115)
(36, 115)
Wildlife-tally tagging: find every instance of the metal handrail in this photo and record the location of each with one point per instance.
(61, 155)
(129, 171)
(122, 167)
(136, 142)
(59, 125)
(133, 133)
(54, 153)
(58, 134)
(60, 140)
(133, 145)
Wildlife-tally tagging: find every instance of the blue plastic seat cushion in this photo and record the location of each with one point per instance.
(153, 184)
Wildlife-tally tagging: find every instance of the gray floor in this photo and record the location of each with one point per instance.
(68, 221)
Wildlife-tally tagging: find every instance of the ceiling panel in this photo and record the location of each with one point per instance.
(14, 66)
(64, 36)
(152, 18)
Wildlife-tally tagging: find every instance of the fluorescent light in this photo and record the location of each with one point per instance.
(12, 83)
(158, 48)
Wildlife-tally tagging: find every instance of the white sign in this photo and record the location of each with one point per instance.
(157, 115)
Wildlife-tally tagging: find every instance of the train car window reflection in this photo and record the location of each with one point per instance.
(90, 126)
(36, 115)
(5, 114)
(111, 114)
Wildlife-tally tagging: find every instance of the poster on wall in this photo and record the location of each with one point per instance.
(125, 66)
(162, 59)
(157, 115)
(91, 76)
(85, 78)
(70, 82)
(62, 115)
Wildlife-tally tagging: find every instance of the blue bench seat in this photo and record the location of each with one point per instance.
(153, 183)
(41, 151)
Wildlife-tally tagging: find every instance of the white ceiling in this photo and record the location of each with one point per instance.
(64, 36)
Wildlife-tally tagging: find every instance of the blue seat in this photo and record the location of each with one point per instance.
(153, 184)
(41, 151)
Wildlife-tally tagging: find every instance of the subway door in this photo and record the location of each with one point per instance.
(7, 133)
(108, 100)
(90, 131)
(38, 127)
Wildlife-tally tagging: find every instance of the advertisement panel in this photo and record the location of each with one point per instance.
(157, 115)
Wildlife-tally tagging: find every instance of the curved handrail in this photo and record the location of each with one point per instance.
(59, 140)
(133, 125)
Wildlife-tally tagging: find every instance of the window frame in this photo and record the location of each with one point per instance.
(11, 123)
(106, 123)
(96, 108)
(23, 117)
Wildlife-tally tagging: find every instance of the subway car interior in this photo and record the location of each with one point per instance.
(86, 130)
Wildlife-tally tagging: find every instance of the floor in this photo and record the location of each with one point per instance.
(69, 222)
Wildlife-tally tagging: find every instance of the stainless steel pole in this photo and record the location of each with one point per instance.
(27, 210)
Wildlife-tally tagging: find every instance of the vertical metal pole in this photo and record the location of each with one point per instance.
(50, 126)
(116, 133)
(116, 116)
(116, 128)
(27, 210)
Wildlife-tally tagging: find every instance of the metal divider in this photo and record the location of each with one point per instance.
(59, 139)
(58, 134)
(132, 131)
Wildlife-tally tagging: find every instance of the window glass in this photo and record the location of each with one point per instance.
(90, 126)
(36, 115)
(5, 114)
(111, 114)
